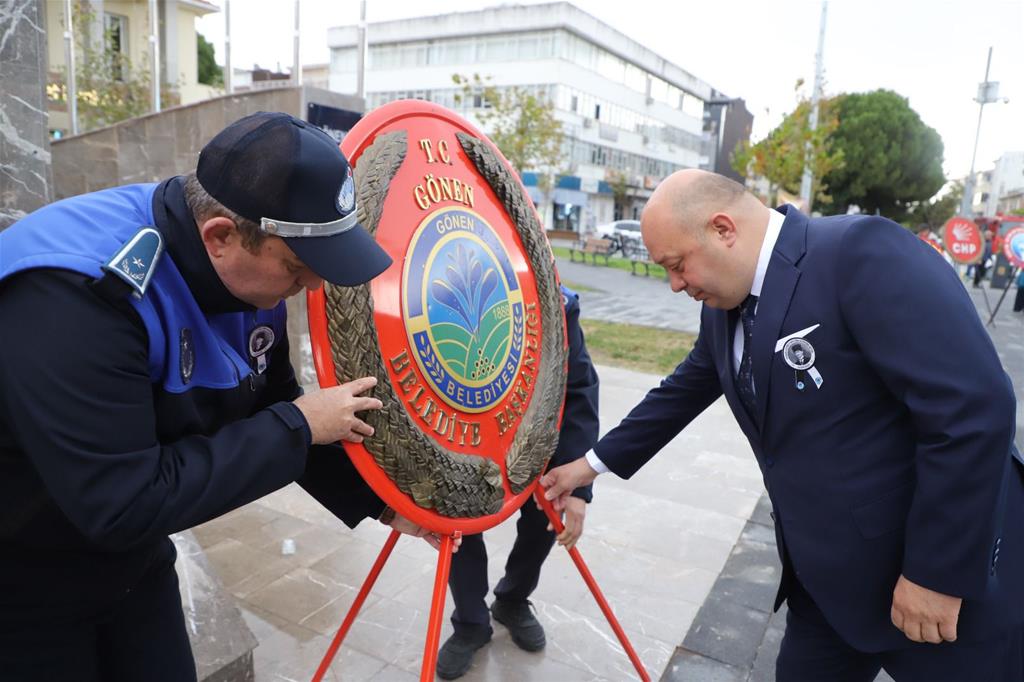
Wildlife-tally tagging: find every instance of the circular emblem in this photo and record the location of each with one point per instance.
(260, 341)
(463, 310)
(963, 240)
(798, 354)
(465, 332)
(1013, 247)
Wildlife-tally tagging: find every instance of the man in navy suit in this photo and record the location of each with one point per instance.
(886, 443)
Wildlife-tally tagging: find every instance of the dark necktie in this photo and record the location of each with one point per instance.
(745, 375)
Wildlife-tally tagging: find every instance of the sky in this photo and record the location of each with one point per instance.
(931, 51)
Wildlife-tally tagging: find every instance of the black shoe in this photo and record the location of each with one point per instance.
(526, 630)
(456, 655)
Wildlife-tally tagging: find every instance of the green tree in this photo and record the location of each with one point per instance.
(110, 88)
(892, 159)
(208, 70)
(936, 211)
(619, 184)
(520, 122)
(781, 155)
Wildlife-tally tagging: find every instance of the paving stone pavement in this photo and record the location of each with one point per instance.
(656, 545)
(622, 297)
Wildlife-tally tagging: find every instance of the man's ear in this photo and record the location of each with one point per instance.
(723, 228)
(219, 235)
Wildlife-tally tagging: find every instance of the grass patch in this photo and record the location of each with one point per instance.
(613, 262)
(577, 287)
(632, 346)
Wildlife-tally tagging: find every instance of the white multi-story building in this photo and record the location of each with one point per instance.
(996, 189)
(626, 112)
(1007, 181)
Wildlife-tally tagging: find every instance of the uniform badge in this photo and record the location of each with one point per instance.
(135, 262)
(187, 355)
(260, 341)
(347, 195)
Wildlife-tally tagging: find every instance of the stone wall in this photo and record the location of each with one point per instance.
(25, 180)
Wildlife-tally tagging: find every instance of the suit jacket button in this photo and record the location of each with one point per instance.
(770, 462)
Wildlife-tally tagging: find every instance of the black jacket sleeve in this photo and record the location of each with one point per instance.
(580, 421)
(333, 480)
(329, 476)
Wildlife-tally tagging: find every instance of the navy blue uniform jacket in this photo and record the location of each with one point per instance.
(902, 461)
(98, 464)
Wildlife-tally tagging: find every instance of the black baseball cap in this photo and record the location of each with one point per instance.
(291, 179)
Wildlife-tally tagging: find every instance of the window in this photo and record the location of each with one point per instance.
(567, 217)
(343, 59)
(115, 30)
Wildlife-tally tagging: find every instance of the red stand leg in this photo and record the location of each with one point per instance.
(356, 605)
(444, 563)
(588, 578)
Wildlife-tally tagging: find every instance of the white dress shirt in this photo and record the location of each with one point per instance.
(771, 235)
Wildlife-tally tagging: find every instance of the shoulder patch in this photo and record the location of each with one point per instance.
(136, 261)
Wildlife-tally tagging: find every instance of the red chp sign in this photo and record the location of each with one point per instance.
(963, 240)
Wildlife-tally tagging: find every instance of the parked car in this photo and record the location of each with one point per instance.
(622, 233)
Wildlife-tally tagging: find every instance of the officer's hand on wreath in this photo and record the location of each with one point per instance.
(404, 525)
(561, 481)
(331, 412)
(924, 615)
(572, 519)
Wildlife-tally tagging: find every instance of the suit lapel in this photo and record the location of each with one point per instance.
(776, 293)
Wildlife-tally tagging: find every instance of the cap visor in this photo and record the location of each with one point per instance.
(347, 259)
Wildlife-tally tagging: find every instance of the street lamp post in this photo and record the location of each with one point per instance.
(988, 92)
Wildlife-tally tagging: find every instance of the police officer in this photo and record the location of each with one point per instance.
(145, 388)
(468, 578)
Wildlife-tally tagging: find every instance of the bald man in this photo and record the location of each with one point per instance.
(882, 420)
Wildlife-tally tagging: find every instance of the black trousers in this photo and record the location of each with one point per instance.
(140, 637)
(1018, 302)
(812, 651)
(468, 577)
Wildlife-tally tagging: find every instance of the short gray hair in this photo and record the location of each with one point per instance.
(204, 207)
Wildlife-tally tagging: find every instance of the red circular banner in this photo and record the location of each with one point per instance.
(457, 315)
(1013, 247)
(963, 240)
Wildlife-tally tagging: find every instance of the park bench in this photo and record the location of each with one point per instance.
(638, 255)
(594, 246)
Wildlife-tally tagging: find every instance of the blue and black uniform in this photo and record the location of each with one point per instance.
(580, 425)
(124, 418)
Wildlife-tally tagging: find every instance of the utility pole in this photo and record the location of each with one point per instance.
(296, 65)
(988, 92)
(807, 182)
(361, 53)
(69, 60)
(154, 53)
(228, 72)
